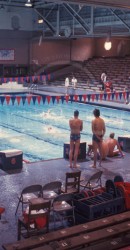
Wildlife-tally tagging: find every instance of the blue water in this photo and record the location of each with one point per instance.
(41, 130)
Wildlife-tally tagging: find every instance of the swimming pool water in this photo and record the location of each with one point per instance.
(41, 130)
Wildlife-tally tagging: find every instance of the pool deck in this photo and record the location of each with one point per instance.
(13, 182)
(42, 172)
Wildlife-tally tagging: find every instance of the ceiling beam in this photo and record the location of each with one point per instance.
(107, 3)
(126, 25)
(77, 17)
(53, 29)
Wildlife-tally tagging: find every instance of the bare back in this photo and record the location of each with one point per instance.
(76, 125)
(112, 144)
(98, 126)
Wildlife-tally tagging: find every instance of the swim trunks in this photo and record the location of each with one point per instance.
(94, 137)
(74, 137)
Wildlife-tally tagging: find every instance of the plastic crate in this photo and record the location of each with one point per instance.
(99, 206)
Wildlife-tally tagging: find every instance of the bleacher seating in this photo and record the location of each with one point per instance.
(93, 235)
(88, 73)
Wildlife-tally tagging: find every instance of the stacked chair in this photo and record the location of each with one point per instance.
(36, 220)
(41, 201)
(32, 191)
(63, 209)
(77, 201)
(51, 190)
(63, 206)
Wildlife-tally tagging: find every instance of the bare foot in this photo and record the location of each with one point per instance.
(76, 166)
(70, 166)
(92, 166)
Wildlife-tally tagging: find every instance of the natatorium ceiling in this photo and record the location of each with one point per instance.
(68, 18)
(109, 3)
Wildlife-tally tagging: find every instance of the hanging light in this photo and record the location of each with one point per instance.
(108, 45)
(28, 3)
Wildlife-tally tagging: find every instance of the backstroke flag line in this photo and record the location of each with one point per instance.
(42, 99)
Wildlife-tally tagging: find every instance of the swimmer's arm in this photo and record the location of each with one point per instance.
(70, 123)
(104, 129)
(81, 127)
(93, 127)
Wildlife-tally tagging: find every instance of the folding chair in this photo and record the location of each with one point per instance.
(63, 208)
(72, 182)
(51, 189)
(93, 182)
(28, 193)
(35, 219)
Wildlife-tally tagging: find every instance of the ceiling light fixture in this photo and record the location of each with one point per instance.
(40, 21)
(28, 3)
(108, 43)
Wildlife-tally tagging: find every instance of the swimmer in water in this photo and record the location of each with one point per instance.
(47, 113)
(50, 129)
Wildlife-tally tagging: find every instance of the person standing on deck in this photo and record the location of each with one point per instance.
(76, 125)
(66, 84)
(103, 80)
(74, 82)
(98, 130)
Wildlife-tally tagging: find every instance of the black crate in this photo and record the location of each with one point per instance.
(81, 154)
(124, 142)
(99, 206)
(11, 159)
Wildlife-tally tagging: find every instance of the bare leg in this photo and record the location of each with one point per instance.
(90, 149)
(71, 153)
(114, 153)
(100, 152)
(77, 144)
(95, 153)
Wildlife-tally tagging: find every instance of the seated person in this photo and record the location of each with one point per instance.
(114, 148)
(104, 150)
(110, 148)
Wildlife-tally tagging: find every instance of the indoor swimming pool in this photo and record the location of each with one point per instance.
(40, 131)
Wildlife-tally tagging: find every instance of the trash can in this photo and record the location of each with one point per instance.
(11, 159)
